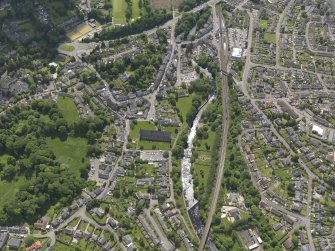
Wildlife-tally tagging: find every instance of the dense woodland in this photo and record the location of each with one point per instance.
(190, 20)
(23, 134)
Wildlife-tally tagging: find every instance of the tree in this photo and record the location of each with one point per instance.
(178, 152)
(166, 154)
(29, 240)
(92, 204)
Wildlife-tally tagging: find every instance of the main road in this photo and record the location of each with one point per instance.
(223, 56)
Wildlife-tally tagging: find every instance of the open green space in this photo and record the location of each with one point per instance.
(263, 24)
(135, 9)
(68, 109)
(9, 189)
(152, 145)
(202, 164)
(66, 47)
(270, 38)
(144, 125)
(59, 246)
(71, 152)
(86, 245)
(118, 11)
(184, 104)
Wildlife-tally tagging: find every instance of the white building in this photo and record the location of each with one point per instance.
(237, 53)
(317, 130)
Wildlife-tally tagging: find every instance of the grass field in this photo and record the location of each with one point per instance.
(270, 37)
(263, 24)
(65, 47)
(71, 152)
(14, 185)
(184, 105)
(9, 189)
(68, 109)
(62, 247)
(135, 131)
(119, 8)
(202, 165)
(136, 10)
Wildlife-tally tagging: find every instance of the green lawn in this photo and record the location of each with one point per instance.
(184, 105)
(62, 247)
(136, 10)
(9, 189)
(68, 109)
(66, 47)
(71, 152)
(202, 165)
(119, 8)
(152, 145)
(135, 130)
(270, 37)
(263, 24)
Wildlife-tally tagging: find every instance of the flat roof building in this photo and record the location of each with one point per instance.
(317, 130)
(155, 136)
(237, 53)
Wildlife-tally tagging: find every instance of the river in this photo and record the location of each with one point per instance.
(186, 175)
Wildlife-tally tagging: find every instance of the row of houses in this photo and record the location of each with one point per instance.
(148, 232)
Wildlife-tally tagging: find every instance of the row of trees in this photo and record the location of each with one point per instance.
(149, 21)
(187, 5)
